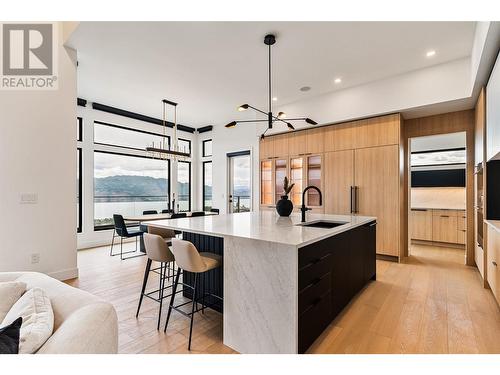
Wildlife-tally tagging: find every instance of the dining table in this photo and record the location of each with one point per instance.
(153, 217)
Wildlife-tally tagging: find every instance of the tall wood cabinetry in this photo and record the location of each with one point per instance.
(358, 168)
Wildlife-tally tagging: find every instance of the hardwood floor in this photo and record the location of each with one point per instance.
(432, 303)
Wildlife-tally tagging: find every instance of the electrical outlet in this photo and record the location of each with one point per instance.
(28, 198)
(35, 258)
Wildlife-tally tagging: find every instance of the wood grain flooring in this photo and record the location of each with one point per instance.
(431, 303)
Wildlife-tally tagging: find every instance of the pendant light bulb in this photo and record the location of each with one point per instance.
(243, 107)
(281, 114)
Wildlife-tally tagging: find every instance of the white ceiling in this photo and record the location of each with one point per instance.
(212, 67)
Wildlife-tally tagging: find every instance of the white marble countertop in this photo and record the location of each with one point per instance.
(495, 224)
(264, 226)
(437, 207)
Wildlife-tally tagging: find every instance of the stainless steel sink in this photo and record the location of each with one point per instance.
(323, 224)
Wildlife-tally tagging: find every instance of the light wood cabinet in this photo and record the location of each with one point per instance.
(280, 146)
(339, 137)
(315, 139)
(266, 148)
(377, 131)
(421, 224)
(364, 154)
(493, 261)
(339, 179)
(444, 227)
(297, 143)
(377, 178)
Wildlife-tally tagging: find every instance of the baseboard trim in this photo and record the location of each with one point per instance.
(62, 275)
(438, 244)
(390, 258)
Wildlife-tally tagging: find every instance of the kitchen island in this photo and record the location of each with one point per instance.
(282, 282)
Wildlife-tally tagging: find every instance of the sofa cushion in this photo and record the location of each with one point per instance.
(10, 292)
(38, 319)
(9, 337)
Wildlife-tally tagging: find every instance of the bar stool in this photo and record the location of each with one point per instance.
(189, 259)
(156, 250)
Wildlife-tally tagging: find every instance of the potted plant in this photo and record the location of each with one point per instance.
(284, 206)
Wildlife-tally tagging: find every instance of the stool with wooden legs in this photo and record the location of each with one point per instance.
(157, 250)
(189, 259)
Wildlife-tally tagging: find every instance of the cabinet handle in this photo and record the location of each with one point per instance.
(373, 224)
(444, 216)
(356, 195)
(352, 199)
(419, 209)
(494, 263)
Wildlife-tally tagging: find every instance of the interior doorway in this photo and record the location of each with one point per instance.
(239, 182)
(437, 195)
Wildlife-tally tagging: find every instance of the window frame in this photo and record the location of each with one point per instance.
(169, 174)
(203, 148)
(203, 182)
(79, 124)
(188, 162)
(129, 129)
(185, 140)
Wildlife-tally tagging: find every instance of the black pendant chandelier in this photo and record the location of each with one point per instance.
(269, 40)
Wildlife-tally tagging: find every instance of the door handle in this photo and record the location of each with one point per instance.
(356, 202)
(352, 199)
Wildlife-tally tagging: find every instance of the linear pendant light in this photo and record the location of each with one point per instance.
(269, 40)
(161, 151)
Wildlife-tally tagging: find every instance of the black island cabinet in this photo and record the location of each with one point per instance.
(331, 272)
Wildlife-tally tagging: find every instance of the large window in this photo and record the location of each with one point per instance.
(184, 145)
(207, 185)
(184, 185)
(128, 185)
(120, 136)
(438, 157)
(206, 148)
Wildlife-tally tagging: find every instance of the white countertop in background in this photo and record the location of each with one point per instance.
(264, 226)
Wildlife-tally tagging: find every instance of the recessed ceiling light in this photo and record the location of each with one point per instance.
(305, 88)
(337, 80)
(275, 98)
(430, 53)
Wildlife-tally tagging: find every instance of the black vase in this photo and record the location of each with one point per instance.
(284, 206)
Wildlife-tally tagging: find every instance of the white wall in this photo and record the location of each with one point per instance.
(436, 84)
(89, 237)
(38, 155)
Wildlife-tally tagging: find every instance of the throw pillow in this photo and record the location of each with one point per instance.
(38, 319)
(9, 337)
(10, 292)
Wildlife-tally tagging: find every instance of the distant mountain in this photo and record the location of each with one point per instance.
(128, 186)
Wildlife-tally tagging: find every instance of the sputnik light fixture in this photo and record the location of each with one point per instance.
(269, 40)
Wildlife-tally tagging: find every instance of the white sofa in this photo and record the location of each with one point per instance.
(83, 323)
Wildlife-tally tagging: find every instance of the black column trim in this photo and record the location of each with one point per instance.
(205, 129)
(138, 116)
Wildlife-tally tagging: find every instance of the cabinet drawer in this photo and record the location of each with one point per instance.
(314, 270)
(314, 320)
(444, 228)
(451, 213)
(461, 222)
(313, 253)
(461, 236)
(313, 291)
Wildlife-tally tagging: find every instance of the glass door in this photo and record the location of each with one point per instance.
(266, 182)
(240, 182)
(296, 177)
(314, 179)
(280, 172)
